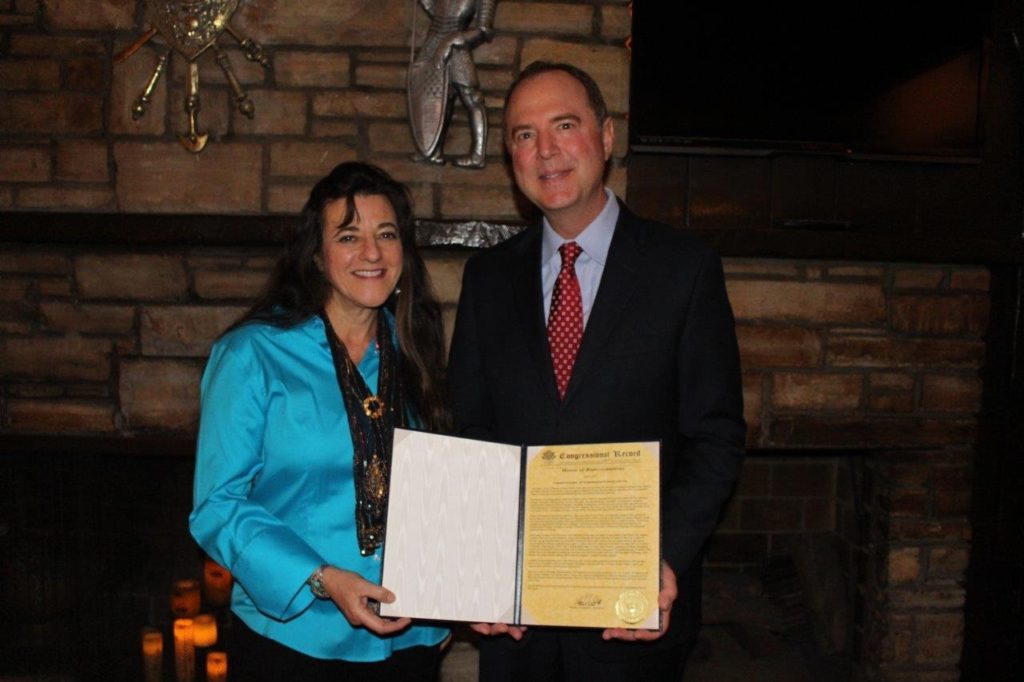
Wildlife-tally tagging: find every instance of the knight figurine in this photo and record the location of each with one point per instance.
(443, 69)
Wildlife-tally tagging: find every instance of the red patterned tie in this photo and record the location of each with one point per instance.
(565, 321)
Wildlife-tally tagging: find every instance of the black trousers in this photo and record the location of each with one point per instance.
(568, 656)
(254, 658)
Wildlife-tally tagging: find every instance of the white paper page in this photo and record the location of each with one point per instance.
(452, 533)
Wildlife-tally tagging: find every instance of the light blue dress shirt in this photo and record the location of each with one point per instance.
(595, 240)
(274, 492)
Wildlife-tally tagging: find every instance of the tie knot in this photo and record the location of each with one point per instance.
(570, 252)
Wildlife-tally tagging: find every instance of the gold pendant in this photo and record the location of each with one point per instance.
(373, 407)
(376, 481)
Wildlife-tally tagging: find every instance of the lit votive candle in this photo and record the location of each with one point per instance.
(216, 666)
(152, 654)
(216, 583)
(205, 630)
(185, 598)
(184, 650)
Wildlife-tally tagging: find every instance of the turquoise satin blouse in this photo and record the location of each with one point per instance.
(274, 494)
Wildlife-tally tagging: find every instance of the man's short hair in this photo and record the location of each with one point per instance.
(594, 96)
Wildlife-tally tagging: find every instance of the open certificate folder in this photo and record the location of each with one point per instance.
(565, 535)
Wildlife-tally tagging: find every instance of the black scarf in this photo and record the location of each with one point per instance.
(372, 420)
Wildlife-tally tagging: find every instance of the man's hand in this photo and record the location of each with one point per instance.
(666, 597)
(352, 594)
(513, 631)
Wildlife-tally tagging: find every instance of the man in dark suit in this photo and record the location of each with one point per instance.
(646, 351)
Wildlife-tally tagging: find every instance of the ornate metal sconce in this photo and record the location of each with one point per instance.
(191, 27)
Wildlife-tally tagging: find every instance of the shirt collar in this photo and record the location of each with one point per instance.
(595, 239)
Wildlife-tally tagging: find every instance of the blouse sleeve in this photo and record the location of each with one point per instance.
(269, 561)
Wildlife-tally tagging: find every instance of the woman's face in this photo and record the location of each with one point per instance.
(363, 259)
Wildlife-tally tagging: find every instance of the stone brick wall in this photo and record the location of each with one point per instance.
(912, 561)
(862, 358)
(859, 355)
(114, 343)
(834, 355)
(335, 92)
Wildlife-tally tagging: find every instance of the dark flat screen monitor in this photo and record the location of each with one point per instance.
(871, 78)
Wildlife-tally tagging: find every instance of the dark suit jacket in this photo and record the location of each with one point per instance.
(658, 361)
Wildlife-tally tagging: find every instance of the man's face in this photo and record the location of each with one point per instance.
(558, 149)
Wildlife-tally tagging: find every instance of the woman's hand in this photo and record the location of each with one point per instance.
(351, 593)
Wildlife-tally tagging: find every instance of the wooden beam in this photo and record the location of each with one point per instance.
(133, 230)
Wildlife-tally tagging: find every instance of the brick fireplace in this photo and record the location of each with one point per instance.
(876, 358)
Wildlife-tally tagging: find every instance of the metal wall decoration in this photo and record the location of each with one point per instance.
(191, 27)
(443, 69)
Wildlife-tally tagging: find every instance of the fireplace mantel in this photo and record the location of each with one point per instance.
(112, 230)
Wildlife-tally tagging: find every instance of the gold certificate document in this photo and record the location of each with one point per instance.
(591, 536)
(565, 535)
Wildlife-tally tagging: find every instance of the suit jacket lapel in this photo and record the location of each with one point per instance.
(530, 310)
(621, 272)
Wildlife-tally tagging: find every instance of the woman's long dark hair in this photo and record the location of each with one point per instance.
(297, 289)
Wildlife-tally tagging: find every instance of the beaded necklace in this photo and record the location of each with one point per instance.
(372, 419)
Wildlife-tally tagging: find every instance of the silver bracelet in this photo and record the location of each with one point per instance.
(316, 583)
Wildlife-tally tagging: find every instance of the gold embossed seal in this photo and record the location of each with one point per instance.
(632, 607)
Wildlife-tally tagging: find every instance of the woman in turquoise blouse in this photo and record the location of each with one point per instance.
(299, 402)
